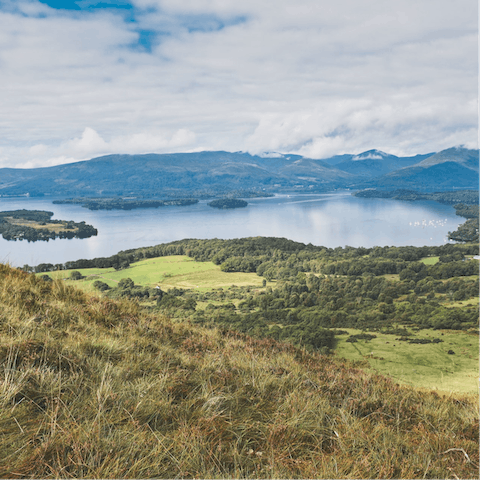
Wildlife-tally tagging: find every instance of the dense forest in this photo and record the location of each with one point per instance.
(34, 225)
(316, 290)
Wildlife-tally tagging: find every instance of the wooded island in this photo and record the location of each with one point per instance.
(34, 225)
(124, 204)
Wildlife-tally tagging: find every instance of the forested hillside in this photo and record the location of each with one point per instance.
(314, 289)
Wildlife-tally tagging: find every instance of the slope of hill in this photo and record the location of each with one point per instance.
(452, 168)
(441, 176)
(467, 158)
(95, 388)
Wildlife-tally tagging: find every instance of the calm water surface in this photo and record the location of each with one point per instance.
(330, 220)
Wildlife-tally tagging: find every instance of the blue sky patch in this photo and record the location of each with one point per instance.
(146, 39)
(87, 5)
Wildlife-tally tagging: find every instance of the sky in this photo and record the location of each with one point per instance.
(80, 79)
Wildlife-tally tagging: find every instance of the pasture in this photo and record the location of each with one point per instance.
(177, 271)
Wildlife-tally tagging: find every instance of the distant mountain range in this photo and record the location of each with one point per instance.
(189, 174)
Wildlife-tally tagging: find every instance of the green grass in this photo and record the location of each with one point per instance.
(167, 272)
(428, 366)
(430, 260)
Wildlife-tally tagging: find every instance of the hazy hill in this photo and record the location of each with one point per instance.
(452, 168)
(154, 174)
(96, 388)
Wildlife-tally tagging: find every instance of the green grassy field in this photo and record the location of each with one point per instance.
(167, 272)
(428, 365)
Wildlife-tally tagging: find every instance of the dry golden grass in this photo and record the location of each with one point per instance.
(94, 388)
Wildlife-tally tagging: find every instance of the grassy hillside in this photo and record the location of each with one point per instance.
(91, 387)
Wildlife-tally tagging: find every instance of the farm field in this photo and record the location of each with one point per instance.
(177, 271)
(421, 365)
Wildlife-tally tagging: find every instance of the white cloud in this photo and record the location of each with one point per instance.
(90, 145)
(311, 77)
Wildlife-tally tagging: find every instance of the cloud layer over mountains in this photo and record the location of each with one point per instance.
(317, 78)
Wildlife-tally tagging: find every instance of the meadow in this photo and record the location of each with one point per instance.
(426, 366)
(173, 271)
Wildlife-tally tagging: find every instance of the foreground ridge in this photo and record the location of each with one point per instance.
(92, 387)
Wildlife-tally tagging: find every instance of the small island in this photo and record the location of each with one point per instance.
(34, 225)
(227, 203)
(124, 204)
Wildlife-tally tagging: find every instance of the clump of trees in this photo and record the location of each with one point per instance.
(126, 288)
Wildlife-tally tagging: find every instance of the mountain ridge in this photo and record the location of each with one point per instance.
(219, 172)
